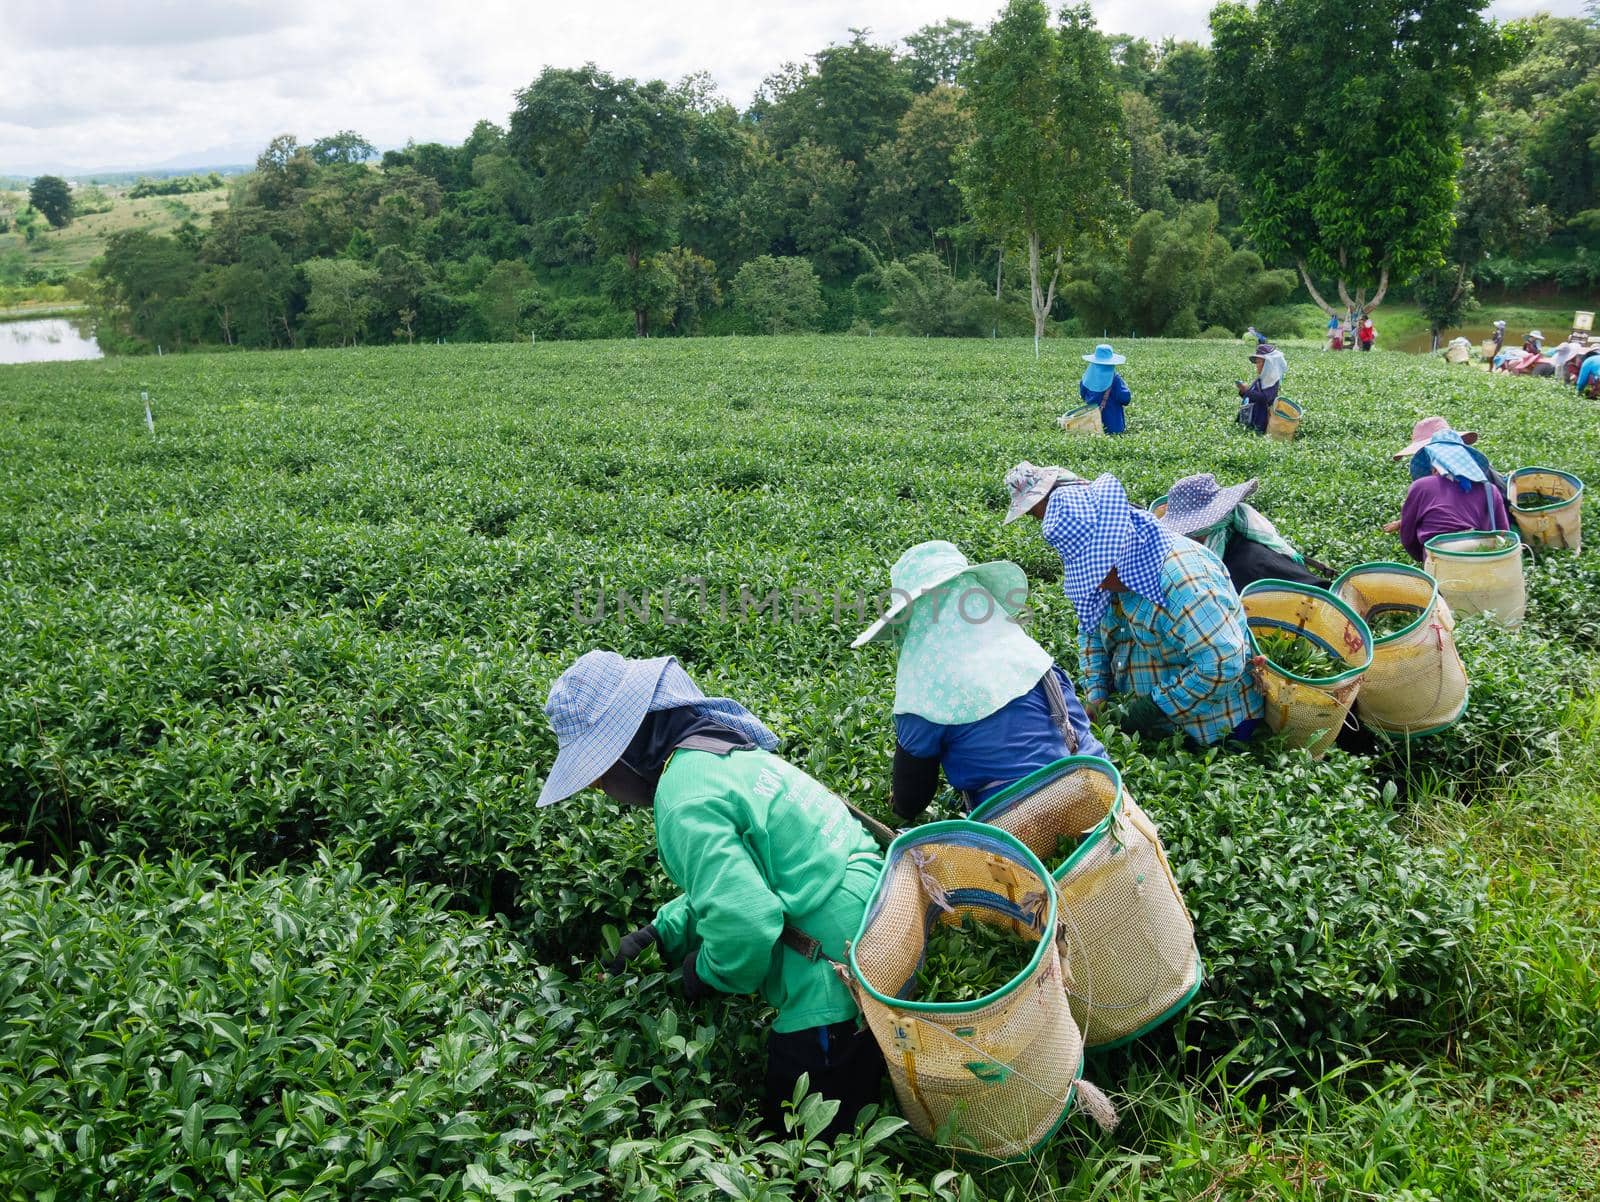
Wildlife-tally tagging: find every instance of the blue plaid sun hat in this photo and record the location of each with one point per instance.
(1095, 529)
(1449, 452)
(595, 708)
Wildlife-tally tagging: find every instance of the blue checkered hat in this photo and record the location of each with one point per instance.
(595, 708)
(1096, 529)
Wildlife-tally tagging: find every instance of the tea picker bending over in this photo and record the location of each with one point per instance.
(974, 694)
(1240, 535)
(1157, 617)
(1453, 490)
(767, 858)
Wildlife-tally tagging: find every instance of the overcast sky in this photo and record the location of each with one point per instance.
(141, 83)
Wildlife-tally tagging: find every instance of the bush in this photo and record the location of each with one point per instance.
(188, 1031)
(926, 299)
(778, 295)
(1324, 932)
(580, 317)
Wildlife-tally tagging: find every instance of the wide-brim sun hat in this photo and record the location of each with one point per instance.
(1198, 503)
(1104, 355)
(1029, 485)
(1261, 350)
(595, 708)
(1422, 433)
(597, 705)
(929, 566)
(1536, 335)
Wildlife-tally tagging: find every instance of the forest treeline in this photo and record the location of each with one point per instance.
(849, 194)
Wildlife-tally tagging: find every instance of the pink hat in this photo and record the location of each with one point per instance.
(1424, 430)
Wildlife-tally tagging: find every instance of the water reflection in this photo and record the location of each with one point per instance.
(43, 339)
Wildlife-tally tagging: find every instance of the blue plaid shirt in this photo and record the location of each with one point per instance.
(1191, 655)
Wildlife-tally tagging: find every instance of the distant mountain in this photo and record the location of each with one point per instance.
(225, 160)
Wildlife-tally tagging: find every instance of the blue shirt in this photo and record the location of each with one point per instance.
(1589, 370)
(1115, 397)
(1020, 737)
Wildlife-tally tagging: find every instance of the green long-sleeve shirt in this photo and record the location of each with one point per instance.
(751, 839)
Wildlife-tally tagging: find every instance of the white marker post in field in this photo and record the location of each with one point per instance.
(148, 419)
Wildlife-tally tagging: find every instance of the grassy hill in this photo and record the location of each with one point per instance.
(75, 247)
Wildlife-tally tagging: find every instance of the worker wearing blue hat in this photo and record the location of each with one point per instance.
(1103, 387)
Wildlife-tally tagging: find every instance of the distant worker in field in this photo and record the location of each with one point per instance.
(1366, 332)
(1452, 490)
(1566, 353)
(1335, 339)
(1499, 338)
(1240, 535)
(1103, 387)
(974, 694)
(1532, 360)
(1256, 397)
(1588, 381)
(1158, 617)
(773, 867)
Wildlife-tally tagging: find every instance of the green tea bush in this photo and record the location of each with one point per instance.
(1325, 933)
(313, 620)
(1521, 685)
(180, 1030)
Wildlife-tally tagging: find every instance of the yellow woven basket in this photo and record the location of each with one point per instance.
(1480, 571)
(1547, 506)
(1417, 684)
(1307, 711)
(1002, 1071)
(1132, 962)
(1283, 421)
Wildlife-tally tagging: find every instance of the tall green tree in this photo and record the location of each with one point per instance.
(339, 300)
(1043, 166)
(914, 200)
(850, 102)
(937, 53)
(346, 146)
(1341, 120)
(618, 152)
(52, 196)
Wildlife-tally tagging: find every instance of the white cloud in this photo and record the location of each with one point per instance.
(105, 83)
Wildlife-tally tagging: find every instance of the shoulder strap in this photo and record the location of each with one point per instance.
(1058, 710)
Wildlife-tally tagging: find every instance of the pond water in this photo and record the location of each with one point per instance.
(43, 339)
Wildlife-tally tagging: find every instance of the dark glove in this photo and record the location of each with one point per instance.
(693, 987)
(630, 946)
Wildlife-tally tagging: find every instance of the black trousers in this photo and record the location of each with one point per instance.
(844, 1064)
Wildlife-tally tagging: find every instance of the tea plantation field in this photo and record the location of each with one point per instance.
(278, 918)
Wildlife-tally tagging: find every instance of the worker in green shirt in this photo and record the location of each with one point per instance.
(775, 872)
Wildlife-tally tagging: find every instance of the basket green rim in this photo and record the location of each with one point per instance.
(1067, 763)
(1389, 567)
(1436, 544)
(1321, 594)
(1577, 488)
(926, 833)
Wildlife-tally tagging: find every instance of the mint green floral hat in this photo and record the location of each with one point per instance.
(962, 654)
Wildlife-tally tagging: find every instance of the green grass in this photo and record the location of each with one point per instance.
(309, 626)
(78, 244)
